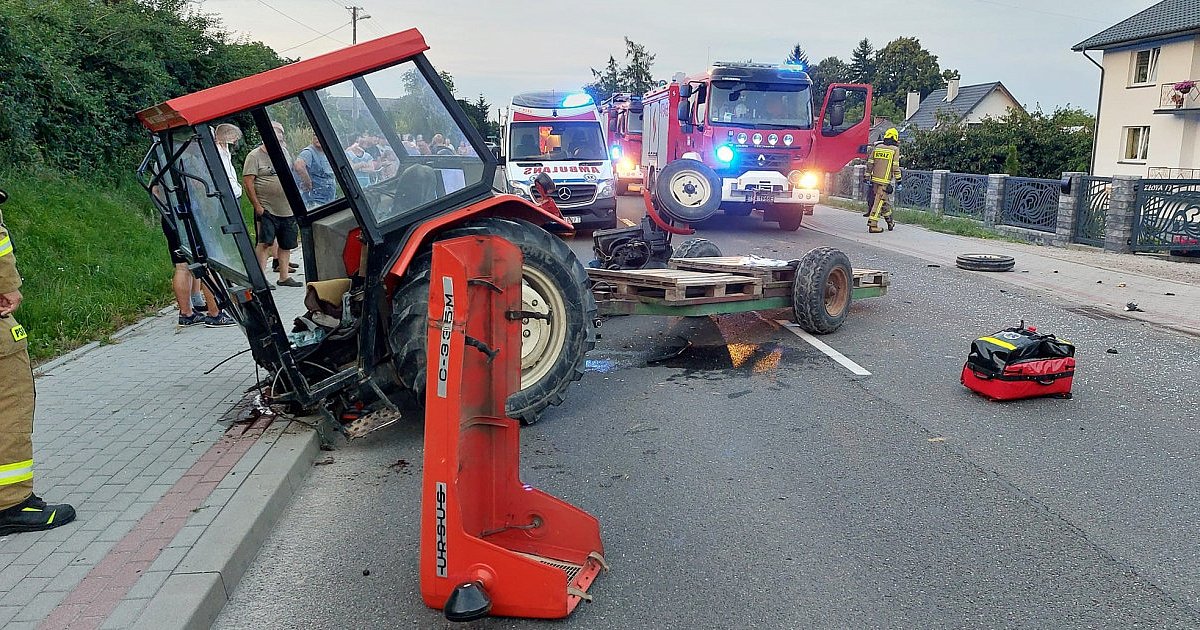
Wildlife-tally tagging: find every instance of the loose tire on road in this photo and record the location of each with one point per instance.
(985, 262)
(823, 290)
(697, 248)
(737, 208)
(688, 191)
(552, 353)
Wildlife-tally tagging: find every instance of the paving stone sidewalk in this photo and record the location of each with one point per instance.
(133, 434)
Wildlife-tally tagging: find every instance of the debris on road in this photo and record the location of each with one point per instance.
(400, 464)
(639, 428)
(324, 462)
(1132, 306)
(1121, 285)
(1112, 351)
(936, 439)
(366, 572)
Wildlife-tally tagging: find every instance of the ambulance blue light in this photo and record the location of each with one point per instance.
(577, 100)
(725, 153)
(615, 153)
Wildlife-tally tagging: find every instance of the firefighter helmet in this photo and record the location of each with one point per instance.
(891, 134)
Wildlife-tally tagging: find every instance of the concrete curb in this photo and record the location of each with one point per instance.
(197, 590)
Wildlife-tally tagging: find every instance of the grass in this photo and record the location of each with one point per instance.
(91, 253)
(937, 223)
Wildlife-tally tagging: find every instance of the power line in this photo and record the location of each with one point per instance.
(264, 3)
(314, 39)
(356, 14)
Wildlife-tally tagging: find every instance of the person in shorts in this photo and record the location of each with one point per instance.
(271, 209)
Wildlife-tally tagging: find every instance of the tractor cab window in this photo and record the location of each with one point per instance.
(405, 149)
(193, 191)
(546, 142)
(761, 105)
(306, 156)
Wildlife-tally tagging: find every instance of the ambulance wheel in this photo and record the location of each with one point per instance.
(697, 248)
(822, 290)
(737, 208)
(789, 217)
(552, 352)
(985, 262)
(688, 191)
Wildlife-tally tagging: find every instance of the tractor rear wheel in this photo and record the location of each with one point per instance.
(552, 352)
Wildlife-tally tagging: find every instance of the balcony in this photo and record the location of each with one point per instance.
(1179, 101)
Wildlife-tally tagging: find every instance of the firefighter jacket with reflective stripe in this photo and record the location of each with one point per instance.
(9, 280)
(884, 164)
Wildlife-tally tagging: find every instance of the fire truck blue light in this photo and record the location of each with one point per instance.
(725, 153)
(615, 153)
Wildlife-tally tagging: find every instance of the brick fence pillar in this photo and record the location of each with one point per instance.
(860, 170)
(1122, 212)
(937, 191)
(1064, 230)
(993, 206)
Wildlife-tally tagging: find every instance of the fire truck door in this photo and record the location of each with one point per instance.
(845, 126)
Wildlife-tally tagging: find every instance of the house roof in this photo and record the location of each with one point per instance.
(1169, 17)
(969, 96)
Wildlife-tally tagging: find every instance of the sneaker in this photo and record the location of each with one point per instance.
(220, 320)
(290, 282)
(190, 320)
(34, 515)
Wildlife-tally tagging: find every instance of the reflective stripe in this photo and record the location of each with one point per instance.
(5, 246)
(16, 473)
(996, 342)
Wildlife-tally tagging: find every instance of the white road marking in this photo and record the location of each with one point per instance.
(824, 347)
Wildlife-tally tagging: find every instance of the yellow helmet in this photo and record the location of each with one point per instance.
(891, 134)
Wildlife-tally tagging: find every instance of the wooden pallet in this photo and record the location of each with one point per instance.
(675, 286)
(776, 279)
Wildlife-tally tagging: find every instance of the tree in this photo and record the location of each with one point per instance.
(447, 79)
(862, 62)
(797, 57)
(830, 70)
(605, 81)
(636, 76)
(1012, 164)
(904, 66)
(479, 111)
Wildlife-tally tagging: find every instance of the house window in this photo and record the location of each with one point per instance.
(1145, 67)
(1137, 143)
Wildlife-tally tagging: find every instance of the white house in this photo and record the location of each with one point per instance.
(1145, 126)
(967, 104)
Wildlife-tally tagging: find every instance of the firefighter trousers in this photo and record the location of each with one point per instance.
(16, 415)
(881, 205)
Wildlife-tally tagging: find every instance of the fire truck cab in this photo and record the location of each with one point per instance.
(753, 139)
(561, 134)
(623, 114)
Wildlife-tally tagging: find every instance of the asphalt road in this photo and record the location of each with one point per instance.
(752, 482)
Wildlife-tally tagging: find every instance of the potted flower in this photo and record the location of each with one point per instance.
(1181, 90)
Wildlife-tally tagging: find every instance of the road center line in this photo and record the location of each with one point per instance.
(823, 347)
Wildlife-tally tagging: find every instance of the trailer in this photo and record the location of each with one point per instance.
(818, 288)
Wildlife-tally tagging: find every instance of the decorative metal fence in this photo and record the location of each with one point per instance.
(1091, 210)
(966, 195)
(916, 190)
(1168, 215)
(1031, 203)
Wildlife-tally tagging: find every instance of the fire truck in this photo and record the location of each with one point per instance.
(623, 112)
(561, 134)
(745, 136)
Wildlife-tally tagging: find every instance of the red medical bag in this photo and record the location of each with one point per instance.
(1020, 363)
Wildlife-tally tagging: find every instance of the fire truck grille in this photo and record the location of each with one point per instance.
(574, 194)
(749, 159)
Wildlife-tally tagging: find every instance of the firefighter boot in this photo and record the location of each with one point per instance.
(890, 222)
(873, 227)
(33, 515)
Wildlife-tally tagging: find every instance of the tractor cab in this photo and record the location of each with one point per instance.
(375, 159)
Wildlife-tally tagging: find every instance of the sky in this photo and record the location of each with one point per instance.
(501, 47)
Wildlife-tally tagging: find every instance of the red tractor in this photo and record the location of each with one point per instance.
(357, 352)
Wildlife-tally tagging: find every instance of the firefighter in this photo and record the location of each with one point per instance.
(20, 509)
(883, 172)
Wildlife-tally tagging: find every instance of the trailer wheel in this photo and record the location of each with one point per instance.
(985, 262)
(822, 290)
(697, 248)
(552, 352)
(688, 191)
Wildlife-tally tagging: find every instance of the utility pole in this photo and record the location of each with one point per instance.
(356, 13)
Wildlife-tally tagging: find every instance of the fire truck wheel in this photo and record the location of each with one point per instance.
(822, 290)
(688, 191)
(552, 352)
(697, 248)
(737, 208)
(790, 217)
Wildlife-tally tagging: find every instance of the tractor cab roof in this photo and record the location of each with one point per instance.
(279, 83)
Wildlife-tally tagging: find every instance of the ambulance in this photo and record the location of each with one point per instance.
(561, 134)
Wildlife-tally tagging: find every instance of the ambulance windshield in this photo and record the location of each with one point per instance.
(557, 141)
(761, 105)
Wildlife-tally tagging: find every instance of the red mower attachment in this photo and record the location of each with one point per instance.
(489, 543)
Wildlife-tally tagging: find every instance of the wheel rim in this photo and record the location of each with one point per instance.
(837, 292)
(690, 189)
(541, 340)
(986, 257)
